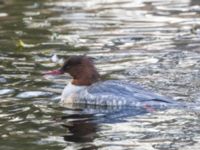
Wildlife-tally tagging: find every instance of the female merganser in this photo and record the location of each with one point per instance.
(86, 88)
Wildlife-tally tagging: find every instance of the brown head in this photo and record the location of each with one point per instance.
(81, 68)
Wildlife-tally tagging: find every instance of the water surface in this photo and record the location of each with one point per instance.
(151, 42)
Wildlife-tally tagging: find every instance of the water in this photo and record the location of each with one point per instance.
(152, 42)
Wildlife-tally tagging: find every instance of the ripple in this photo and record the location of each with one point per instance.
(33, 94)
(6, 91)
(152, 42)
(52, 139)
(3, 14)
(2, 80)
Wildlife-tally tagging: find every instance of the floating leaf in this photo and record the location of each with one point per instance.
(54, 58)
(57, 60)
(21, 44)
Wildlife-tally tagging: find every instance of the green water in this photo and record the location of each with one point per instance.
(152, 42)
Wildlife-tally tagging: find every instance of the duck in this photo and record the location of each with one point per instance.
(86, 87)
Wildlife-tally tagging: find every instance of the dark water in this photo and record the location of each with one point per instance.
(152, 42)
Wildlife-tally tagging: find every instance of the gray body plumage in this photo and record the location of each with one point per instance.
(118, 93)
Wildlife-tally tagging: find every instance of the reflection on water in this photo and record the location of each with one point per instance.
(151, 42)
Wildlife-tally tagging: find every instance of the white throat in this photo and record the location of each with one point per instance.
(70, 93)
